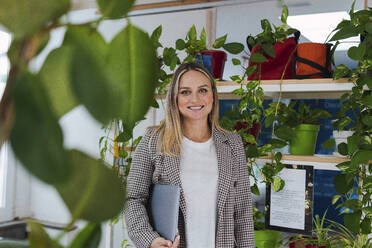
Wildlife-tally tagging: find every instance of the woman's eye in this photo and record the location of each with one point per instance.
(185, 92)
(203, 90)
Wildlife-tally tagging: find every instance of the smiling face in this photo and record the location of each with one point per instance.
(195, 96)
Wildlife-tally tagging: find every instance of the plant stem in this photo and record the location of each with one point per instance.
(65, 230)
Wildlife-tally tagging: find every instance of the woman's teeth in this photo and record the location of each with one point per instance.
(196, 108)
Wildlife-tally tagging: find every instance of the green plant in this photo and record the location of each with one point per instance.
(250, 110)
(322, 235)
(168, 61)
(192, 45)
(119, 143)
(291, 117)
(270, 35)
(346, 238)
(112, 80)
(357, 171)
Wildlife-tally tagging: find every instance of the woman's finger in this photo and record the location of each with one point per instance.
(160, 243)
(176, 241)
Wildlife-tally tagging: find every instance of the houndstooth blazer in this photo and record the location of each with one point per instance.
(234, 206)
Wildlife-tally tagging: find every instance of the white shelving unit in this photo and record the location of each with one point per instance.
(293, 88)
(320, 162)
(324, 88)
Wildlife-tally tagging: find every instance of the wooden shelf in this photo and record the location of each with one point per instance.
(322, 88)
(140, 5)
(293, 88)
(323, 162)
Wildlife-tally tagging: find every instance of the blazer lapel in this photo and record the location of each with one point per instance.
(224, 158)
(172, 169)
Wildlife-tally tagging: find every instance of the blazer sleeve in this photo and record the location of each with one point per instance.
(244, 226)
(138, 184)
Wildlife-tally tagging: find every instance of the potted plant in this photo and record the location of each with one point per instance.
(245, 117)
(301, 125)
(197, 50)
(264, 238)
(272, 51)
(322, 235)
(355, 177)
(343, 237)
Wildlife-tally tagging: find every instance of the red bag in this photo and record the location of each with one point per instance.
(273, 68)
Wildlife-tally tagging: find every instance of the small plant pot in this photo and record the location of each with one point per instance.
(341, 137)
(305, 140)
(266, 238)
(214, 61)
(302, 244)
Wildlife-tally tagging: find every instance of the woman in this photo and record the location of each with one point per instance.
(190, 149)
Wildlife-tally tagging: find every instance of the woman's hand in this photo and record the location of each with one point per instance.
(163, 243)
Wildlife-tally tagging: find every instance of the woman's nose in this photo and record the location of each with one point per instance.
(195, 97)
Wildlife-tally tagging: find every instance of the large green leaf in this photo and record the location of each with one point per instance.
(340, 71)
(366, 225)
(36, 137)
(115, 9)
(234, 47)
(39, 238)
(346, 31)
(93, 193)
(269, 49)
(132, 67)
(329, 143)
(55, 78)
(155, 36)
(191, 34)
(342, 183)
(357, 53)
(369, 27)
(284, 15)
(352, 221)
(89, 237)
(367, 120)
(367, 100)
(88, 72)
(353, 204)
(342, 149)
(26, 17)
(219, 42)
(285, 132)
(258, 57)
(278, 184)
(352, 144)
(276, 143)
(255, 190)
(361, 157)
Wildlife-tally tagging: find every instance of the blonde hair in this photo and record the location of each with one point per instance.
(170, 129)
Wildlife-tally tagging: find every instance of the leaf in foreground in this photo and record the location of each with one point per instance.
(94, 192)
(36, 137)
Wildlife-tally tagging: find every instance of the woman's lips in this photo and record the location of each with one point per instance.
(196, 107)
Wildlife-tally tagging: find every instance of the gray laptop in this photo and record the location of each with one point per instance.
(164, 209)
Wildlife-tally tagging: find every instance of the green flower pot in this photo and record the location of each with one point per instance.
(267, 238)
(305, 140)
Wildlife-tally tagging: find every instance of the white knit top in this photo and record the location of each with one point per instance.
(199, 178)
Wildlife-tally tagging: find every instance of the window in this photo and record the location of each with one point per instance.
(6, 172)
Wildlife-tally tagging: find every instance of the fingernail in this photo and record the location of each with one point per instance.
(169, 244)
(178, 237)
